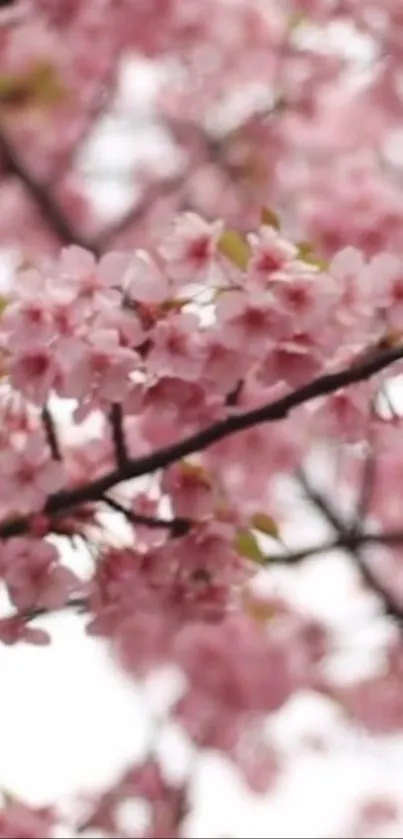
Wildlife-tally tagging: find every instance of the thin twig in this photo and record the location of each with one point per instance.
(138, 212)
(48, 206)
(319, 501)
(77, 604)
(350, 541)
(178, 526)
(51, 435)
(118, 435)
(349, 538)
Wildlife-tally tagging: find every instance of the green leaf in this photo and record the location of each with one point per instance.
(235, 247)
(265, 524)
(306, 253)
(246, 544)
(269, 218)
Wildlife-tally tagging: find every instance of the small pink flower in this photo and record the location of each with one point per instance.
(270, 253)
(33, 575)
(306, 296)
(176, 349)
(189, 249)
(237, 665)
(143, 281)
(295, 362)
(224, 367)
(250, 322)
(98, 369)
(190, 491)
(20, 821)
(90, 286)
(28, 477)
(15, 629)
(34, 372)
(344, 413)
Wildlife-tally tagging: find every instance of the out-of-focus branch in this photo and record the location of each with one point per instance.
(137, 213)
(353, 541)
(349, 542)
(49, 208)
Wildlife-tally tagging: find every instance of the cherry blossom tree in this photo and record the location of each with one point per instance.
(241, 318)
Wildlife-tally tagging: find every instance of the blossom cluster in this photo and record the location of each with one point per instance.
(159, 348)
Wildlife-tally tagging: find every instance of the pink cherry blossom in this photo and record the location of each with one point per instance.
(189, 249)
(270, 253)
(99, 369)
(191, 491)
(211, 655)
(18, 821)
(33, 575)
(28, 476)
(143, 281)
(176, 348)
(15, 629)
(92, 285)
(250, 321)
(34, 372)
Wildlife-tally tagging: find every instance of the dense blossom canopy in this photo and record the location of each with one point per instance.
(173, 368)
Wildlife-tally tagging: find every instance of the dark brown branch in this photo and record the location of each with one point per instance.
(319, 501)
(118, 435)
(51, 435)
(354, 543)
(272, 412)
(178, 526)
(48, 206)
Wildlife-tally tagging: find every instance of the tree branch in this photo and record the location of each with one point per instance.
(354, 541)
(118, 435)
(138, 212)
(349, 542)
(178, 526)
(272, 412)
(47, 205)
(51, 435)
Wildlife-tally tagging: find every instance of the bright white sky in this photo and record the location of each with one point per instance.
(70, 723)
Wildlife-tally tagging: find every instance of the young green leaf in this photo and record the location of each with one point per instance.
(235, 247)
(265, 524)
(246, 544)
